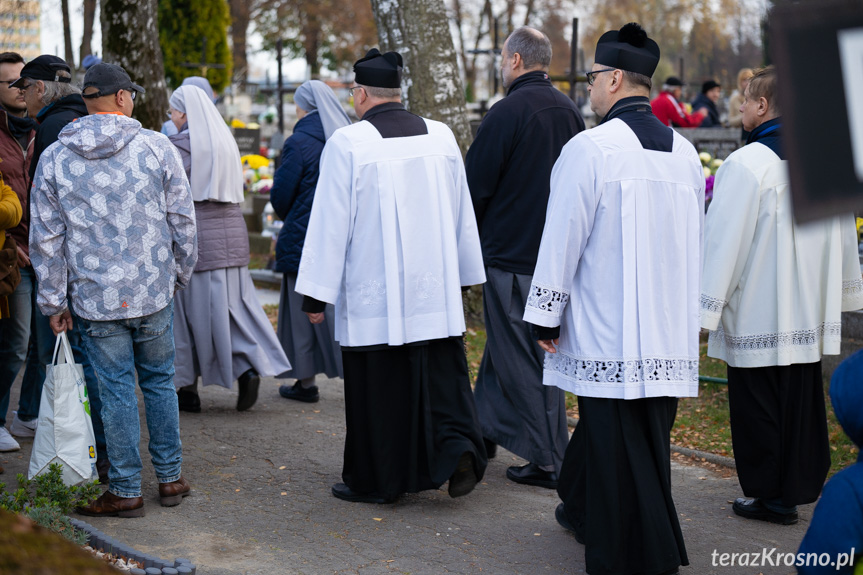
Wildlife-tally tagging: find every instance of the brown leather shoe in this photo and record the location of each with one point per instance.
(172, 493)
(110, 505)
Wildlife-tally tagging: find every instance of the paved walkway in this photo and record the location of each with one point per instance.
(261, 505)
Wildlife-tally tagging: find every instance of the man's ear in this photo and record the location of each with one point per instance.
(763, 106)
(517, 60)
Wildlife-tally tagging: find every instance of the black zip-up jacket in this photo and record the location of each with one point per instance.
(509, 168)
(52, 119)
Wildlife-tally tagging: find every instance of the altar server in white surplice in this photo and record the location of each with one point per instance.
(392, 238)
(614, 302)
(772, 297)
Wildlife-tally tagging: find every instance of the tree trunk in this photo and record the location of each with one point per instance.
(240, 17)
(130, 38)
(67, 34)
(419, 31)
(87, 37)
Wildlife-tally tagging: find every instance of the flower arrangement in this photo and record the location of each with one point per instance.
(257, 174)
(710, 165)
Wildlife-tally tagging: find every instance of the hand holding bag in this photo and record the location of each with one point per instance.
(65, 431)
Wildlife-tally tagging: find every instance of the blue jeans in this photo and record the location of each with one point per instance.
(117, 350)
(28, 334)
(15, 331)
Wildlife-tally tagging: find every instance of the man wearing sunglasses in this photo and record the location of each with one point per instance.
(52, 101)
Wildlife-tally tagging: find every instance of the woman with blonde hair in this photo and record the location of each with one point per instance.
(221, 332)
(735, 116)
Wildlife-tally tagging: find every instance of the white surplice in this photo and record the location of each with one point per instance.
(392, 236)
(619, 267)
(773, 290)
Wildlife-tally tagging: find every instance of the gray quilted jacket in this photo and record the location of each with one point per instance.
(112, 221)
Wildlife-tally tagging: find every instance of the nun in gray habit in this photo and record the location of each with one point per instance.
(221, 332)
(312, 349)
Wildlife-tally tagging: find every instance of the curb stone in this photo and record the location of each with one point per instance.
(152, 565)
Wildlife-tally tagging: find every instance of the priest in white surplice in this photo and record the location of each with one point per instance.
(392, 238)
(772, 297)
(614, 302)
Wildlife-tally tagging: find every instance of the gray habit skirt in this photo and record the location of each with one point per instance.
(515, 409)
(311, 348)
(221, 330)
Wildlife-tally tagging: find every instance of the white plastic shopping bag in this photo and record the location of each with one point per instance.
(64, 434)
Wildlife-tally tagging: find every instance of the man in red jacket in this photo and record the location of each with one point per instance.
(667, 107)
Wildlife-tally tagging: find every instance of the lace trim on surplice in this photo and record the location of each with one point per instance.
(768, 341)
(622, 371)
(547, 300)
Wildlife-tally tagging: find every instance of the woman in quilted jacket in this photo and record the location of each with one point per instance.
(221, 332)
(311, 349)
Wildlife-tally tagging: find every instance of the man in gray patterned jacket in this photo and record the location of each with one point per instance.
(113, 234)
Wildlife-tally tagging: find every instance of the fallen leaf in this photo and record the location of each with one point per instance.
(237, 490)
(537, 534)
(282, 467)
(284, 492)
(377, 518)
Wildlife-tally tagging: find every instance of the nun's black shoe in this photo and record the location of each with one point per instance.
(188, 401)
(531, 474)
(299, 393)
(756, 509)
(248, 384)
(345, 493)
(563, 521)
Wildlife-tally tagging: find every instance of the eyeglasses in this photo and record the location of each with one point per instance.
(352, 88)
(591, 76)
(7, 82)
(132, 93)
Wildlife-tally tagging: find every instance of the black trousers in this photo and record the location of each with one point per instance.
(779, 431)
(616, 486)
(410, 416)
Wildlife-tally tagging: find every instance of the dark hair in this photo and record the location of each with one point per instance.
(532, 45)
(763, 85)
(11, 58)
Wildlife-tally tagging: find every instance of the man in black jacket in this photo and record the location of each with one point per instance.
(53, 101)
(508, 171)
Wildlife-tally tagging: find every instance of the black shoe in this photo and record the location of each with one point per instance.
(563, 521)
(756, 509)
(188, 401)
(490, 447)
(531, 474)
(345, 493)
(296, 391)
(463, 479)
(248, 384)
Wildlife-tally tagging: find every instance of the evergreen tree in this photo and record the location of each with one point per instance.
(185, 27)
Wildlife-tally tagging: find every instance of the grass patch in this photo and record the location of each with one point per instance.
(702, 422)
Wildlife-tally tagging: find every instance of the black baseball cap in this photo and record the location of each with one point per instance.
(45, 68)
(673, 81)
(108, 79)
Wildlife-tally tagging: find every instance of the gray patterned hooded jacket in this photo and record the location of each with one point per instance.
(112, 219)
